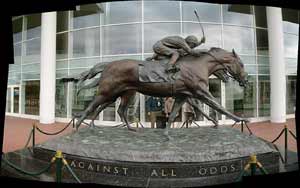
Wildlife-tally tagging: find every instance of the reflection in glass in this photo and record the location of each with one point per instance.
(86, 42)
(17, 54)
(81, 101)
(16, 96)
(291, 94)
(61, 64)
(212, 34)
(123, 39)
(87, 16)
(109, 113)
(123, 12)
(17, 29)
(290, 45)
(86, 62)
(32, 51)
(62, 46)
(238, 14)
(263, 96)
(61, 73)
(241, 39)
(206, 11)
(291, 66)
(32, 98)
(8, 100)
(156, 31)
(290, 21)
(241, 101)
(262, 42)
(246, 60)
(35, 67)
(260, 16)
(161, 11)
(33, 29)
(61, 99)
(62, 21)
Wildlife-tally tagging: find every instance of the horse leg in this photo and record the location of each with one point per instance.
(179, 101)
(193, 103)
(126, 98)
(99, 100)
(100, 108)
(205, 96)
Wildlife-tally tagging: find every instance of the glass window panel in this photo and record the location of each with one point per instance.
(260, 16)
(17, 29)
(32, 98)
(77, 71)
(290, 21)
(290, 45)
(17, 53)
(8, 100)
(61, 64)
(122, 39)
(215, 90)
(206, 11)
(250, 69)
(263, 96)
(62, 46)
(241, 39)
(16, 97)
(86, 42)
(291, 70)
(32, 51)
(31, 76)
(238, 14)
(114, 58)
(33, 28)
(291, 61)
(156, 31)
(61, 73)
(61, 99)
(14, 77)
(291, 94)
(263, 70)
(123, 12)
(246, 60)
(109, 113)
(161, 11)
(31, 67)
(262, 42)
(83, 99)
(212, 34)
(62, 21)
(241, 101)
(86, 62)
(262, 60)
(87, 16)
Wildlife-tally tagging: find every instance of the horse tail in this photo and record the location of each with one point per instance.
(90, 85)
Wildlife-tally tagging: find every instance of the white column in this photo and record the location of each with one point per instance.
(277, 65)
(48, 66)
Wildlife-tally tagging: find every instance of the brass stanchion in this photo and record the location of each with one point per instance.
(243, 123)
(253, 164)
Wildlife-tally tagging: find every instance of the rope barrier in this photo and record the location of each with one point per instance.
(29, 138)
(60, 163)
(51, 134)
(27, 172)
(285, 130)
(242, 126)
(253, 164)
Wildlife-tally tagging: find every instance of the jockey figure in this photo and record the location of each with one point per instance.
(174, 47)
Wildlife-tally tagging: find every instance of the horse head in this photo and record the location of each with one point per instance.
(232, 64)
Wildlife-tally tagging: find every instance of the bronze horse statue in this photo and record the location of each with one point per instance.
(121, 79)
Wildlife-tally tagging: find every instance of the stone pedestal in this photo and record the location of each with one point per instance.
(196, 157)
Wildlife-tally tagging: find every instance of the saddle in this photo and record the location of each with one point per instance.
(155, 71)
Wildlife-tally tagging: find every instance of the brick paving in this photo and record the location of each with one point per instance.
(16, 131)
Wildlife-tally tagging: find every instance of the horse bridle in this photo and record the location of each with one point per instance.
(228, 73)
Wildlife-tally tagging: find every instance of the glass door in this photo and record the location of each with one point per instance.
(13, 99)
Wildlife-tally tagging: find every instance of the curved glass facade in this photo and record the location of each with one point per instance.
(110, 31)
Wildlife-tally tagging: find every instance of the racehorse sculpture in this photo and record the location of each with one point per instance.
(122, 79)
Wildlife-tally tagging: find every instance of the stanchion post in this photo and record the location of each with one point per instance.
(253, 162)
(285, 142)
(59, 165)
(33, 135)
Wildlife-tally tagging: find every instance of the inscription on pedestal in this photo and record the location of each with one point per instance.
(156, 171)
